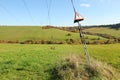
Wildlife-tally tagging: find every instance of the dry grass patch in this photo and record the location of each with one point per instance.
(76, 68)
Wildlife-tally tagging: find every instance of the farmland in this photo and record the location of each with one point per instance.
(26, 61)
(34, 61)
(38, 41)
(22, 34)
(103, 30)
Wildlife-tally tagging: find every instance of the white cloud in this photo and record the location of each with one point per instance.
(85, 5)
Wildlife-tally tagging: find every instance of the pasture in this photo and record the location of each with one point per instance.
(103, 30)
(28, 62)
(23, 33)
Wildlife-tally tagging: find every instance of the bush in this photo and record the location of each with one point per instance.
(43, 41)
(70, 41)
(68, 34)
(49, 42)
(98, 38)
(110, 41)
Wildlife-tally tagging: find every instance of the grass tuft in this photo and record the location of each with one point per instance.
(76, 68)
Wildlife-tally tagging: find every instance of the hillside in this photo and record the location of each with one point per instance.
(111, 32)
(104, 30)
(37, 34)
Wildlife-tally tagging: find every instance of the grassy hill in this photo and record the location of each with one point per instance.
(37, 33)
(111, 32)
(35, 62)
(104, 30)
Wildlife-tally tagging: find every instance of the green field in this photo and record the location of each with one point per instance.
(37, 33)
(31, 62)
(103, 30)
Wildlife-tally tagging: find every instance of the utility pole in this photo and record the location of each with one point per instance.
(77, 19)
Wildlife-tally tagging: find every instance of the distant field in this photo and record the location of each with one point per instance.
(104, 30)
(28, 62)
(37, 33)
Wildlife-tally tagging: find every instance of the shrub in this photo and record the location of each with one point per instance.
(70, 41)
(98, 38)
(43, 41)
(49, 42)
(110, 41)
(68, 34)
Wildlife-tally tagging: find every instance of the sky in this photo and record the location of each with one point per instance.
(35, 12)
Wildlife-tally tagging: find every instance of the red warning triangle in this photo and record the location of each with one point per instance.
(78, 17)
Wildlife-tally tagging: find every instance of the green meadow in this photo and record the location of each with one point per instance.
(32, 62)
(103, 30)
(35, 61)
(37, 33)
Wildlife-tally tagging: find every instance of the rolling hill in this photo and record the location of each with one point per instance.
(23, 33)
(104, 30)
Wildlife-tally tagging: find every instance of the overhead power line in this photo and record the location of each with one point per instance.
(48, 3)
(28, 11)
(8, 12)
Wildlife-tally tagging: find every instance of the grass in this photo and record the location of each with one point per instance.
(28, 62)
(102, 30)
(37, 33)
(76, 68)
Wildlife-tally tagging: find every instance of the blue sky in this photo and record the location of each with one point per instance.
(35, 12)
